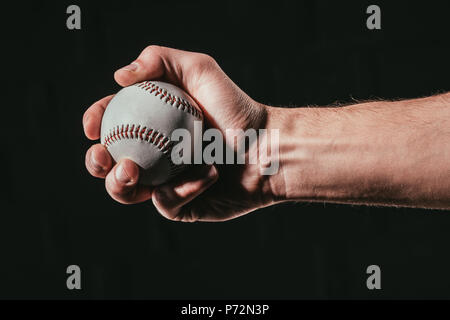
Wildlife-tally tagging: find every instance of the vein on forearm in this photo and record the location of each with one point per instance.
(377, 152)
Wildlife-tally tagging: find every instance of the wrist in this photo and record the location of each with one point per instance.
(280, 123)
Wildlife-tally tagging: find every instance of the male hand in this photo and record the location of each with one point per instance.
(203, 192)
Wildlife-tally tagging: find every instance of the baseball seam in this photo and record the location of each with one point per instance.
(132, 131)
(158, 139)
(169, 98)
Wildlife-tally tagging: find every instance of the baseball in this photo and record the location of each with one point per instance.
(138, 123)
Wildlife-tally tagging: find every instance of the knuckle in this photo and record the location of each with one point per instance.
(170, 217)
(183, 214)
(163, 212)
(174, 217)
(152, 49)
(201, 63)
(207, 60)
(198, 63)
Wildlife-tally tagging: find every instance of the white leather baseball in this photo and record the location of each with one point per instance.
(138, 123)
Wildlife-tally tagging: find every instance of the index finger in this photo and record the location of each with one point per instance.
(92, 118)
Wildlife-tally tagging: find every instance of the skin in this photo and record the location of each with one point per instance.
(374, 153)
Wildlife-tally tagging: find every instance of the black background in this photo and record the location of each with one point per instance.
(288, 53)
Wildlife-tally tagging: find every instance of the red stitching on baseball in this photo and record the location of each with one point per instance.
(152, 136)
(168, 97)
(137, 132)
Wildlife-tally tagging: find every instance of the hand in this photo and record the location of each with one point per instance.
(202, 193)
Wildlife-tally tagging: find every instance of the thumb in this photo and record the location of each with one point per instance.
(181, 68)
(148, 66)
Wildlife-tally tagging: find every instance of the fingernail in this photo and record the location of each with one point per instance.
(131, 67)
(121, 174)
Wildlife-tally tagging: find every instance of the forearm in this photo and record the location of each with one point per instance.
(381, 153)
